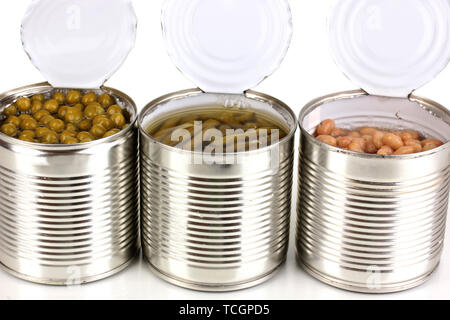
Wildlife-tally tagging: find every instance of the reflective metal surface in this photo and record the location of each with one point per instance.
(215, 227)
(69, 214)
(369, 223)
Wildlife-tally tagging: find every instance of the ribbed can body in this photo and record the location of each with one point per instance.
(215, 227)
(367, 223)
(69, 214)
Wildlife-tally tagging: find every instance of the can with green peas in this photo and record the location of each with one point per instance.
(69, 165)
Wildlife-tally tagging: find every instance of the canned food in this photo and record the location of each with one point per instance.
(70, 213)
(69, 180)
(215, 225)
(367, 222)
(217, 161)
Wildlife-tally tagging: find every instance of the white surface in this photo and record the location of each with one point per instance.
(307, 72)
(227, 46)
(391, 47)
(78, 43)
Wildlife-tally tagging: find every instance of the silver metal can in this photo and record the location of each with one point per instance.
(69, 214)
(370, 223)
(215, 227)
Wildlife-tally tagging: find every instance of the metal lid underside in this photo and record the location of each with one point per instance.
(79, 43)
(390, 47)
(227, 46)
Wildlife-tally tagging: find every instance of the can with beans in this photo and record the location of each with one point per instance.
(375, 164)
(217, 167)
(69, 165)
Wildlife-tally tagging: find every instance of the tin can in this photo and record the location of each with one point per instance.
(69, 214)
(215, 227)
(370, 223)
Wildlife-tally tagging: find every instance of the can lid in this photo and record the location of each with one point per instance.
(391, 47)
(78, 43)
(227, 46)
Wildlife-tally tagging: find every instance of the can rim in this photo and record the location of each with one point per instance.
(361, 93)
(78, 146)
(196, 91)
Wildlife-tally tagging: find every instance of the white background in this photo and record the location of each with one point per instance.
(307, 72)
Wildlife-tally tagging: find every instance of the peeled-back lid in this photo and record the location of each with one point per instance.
(391, 47)
(227, 46)
(78, 43)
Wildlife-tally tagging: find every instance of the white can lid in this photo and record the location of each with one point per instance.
(227, 46)
(78, 43)
(391, 47)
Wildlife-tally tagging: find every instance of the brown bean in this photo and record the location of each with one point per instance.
(429, 146)
(328, 140)
(404, 150)
(436, 142)
(409, 135)
(385, 151)
(344, 142)
(415, 144)
(392, 140)
(354, 134)
(368, 131)
(361, 141)
(371, 148)
(378, 139)
(325, 128)
(356, 147)
(338, 132)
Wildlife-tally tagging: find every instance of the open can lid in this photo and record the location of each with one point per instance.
(78, 43)
(390, 47)
(227, 46)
